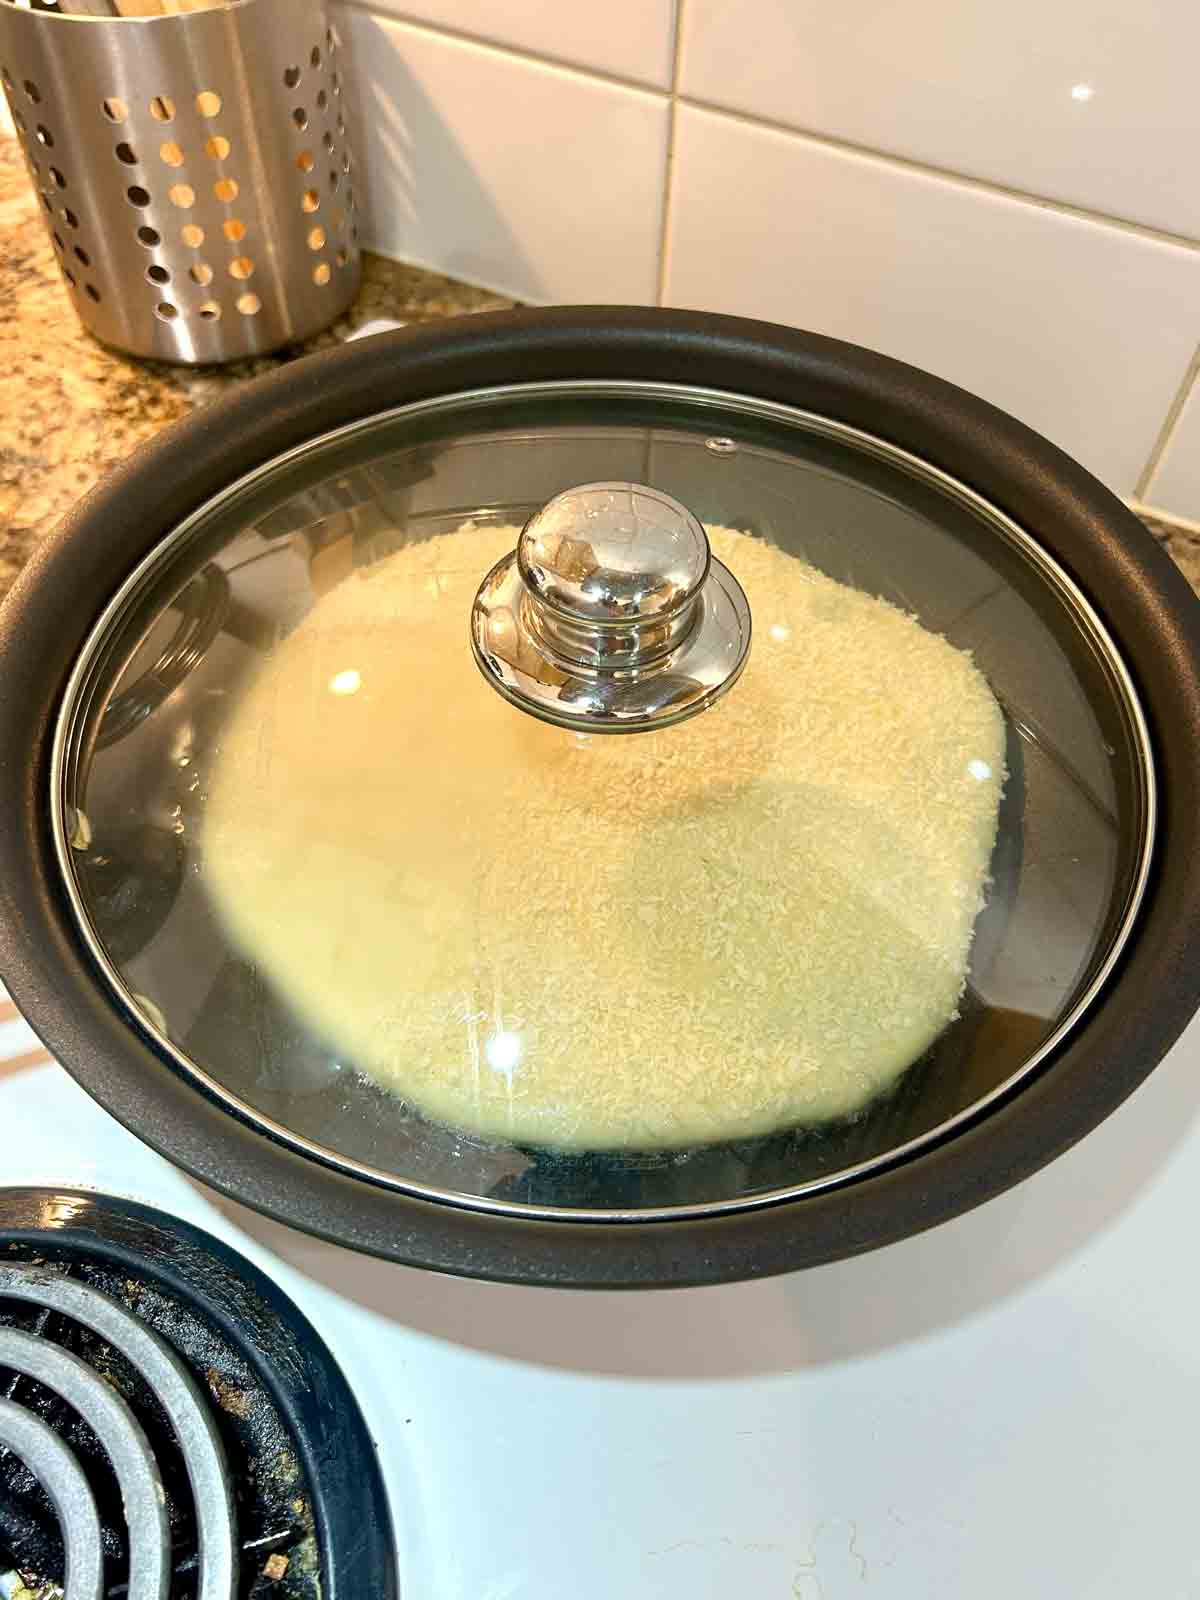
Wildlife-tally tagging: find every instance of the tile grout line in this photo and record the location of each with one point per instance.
(522, 52)
(664, 235)
(1158, 449)
(1170, 520)
(828, 141)
(929, 169)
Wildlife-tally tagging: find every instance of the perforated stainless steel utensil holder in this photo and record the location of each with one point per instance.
(195, 171)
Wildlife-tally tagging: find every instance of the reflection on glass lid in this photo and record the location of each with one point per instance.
(754, 920)
(509, 960)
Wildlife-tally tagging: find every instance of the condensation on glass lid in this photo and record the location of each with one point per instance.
(757, 919)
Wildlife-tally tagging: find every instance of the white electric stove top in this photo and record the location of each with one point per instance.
(1009, 1405)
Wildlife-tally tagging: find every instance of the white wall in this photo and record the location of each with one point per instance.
(1006, 195)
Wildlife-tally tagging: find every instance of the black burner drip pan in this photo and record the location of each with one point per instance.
(213, 1385)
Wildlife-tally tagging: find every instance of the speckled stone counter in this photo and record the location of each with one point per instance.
(1183, 543)
(71, 409)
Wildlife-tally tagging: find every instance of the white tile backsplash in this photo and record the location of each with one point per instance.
(1088, 101)
(485, 159)
(629, 38)
(1080, 329)
(1175, 486)
(530, 179)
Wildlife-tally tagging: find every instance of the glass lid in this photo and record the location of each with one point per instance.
(589, 799)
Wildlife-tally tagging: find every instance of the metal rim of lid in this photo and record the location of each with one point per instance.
(1052, 572)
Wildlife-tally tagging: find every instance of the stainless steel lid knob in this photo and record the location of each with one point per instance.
(611, 614)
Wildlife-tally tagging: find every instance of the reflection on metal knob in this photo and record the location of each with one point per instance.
(611, 614)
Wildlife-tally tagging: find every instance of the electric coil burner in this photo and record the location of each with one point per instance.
(170, 1424)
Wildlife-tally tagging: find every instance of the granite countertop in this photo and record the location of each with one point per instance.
(72, 409)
